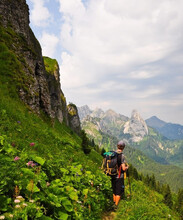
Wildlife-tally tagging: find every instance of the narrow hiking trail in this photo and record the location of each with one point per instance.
(109, 216)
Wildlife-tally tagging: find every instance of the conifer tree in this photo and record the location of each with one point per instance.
(168, 196)
(179, 203)
(85, 143)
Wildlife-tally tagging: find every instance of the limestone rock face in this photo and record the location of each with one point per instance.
(74, 121)
(84, 111)
(136, 127)
(39, 88)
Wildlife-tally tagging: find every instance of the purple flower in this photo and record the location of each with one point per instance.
(32, 144)
(19, 122)
(16, 158)
(29, 163)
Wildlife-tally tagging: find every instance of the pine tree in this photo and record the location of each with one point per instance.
(85, 143)
(168, 196)
(179, 203)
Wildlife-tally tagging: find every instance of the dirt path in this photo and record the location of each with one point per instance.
(109, 216)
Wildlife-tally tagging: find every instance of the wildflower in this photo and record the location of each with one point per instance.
(30, 163)
(47, 184)
(19, 122)
(24, 204)
(33, 164)
(10, 215)
(16, 158)
(2, 217)
(17, 206)
(32, 144)
(31, 200)
(19, 197)
(16, 201)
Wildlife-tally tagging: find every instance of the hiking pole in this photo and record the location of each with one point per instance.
(129, 183)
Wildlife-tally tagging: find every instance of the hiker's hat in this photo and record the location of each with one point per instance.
(121, 144)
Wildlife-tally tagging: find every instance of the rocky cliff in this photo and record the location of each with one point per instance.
(74, 121)
(38, 87)
(136, 127)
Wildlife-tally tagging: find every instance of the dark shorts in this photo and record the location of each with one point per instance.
(117, 186)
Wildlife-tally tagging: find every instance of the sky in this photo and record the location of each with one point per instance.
(116, 54)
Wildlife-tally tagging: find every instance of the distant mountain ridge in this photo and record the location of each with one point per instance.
(106, 128)
(168, 130)
(147, 149)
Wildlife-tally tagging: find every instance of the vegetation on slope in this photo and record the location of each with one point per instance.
(44, 173)
(47, 167)
(144, 204)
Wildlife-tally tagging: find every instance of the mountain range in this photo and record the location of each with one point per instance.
(169, 130)
(107, 127)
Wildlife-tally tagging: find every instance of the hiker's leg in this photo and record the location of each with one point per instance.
(119, 189)
(117, 199)
(113, 181)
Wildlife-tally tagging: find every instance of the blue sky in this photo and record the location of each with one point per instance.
(116, 54)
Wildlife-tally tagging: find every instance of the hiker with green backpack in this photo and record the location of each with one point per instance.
(114, 165)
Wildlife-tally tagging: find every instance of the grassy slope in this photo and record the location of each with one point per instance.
(145, 204)
(64, 180)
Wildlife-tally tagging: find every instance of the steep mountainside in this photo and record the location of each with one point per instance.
(169, 130)
(37, 81)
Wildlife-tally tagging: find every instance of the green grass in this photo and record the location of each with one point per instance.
(145, 204)
(51, 65)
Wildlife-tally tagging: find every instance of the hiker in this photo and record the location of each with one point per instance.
(118, 179)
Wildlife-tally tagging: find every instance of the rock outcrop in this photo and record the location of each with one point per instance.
(39, 88)
(136, 127)
(74, 121)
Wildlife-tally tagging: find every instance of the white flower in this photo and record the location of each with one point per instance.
(11, 216)
(31, 200)
(16, 201)
(2, 217)
(19, 197)
(17, 206)
(24, 204)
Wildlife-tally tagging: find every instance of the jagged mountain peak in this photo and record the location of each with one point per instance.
(97, 113)
(136, 127)
(84, 111)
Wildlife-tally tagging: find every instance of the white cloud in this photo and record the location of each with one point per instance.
(40, 14)
(49, 44)
(117, 54)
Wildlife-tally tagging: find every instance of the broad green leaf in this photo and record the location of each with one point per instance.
(73, 195)
(67, 205)
(32, 187)
(28, 172)
(63, 215)
(39, 160)
(85, 192)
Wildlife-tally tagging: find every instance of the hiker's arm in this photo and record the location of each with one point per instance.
(124, 167)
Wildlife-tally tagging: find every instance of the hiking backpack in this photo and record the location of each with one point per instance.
(110, 163)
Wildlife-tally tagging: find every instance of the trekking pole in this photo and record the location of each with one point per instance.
(129, 183)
